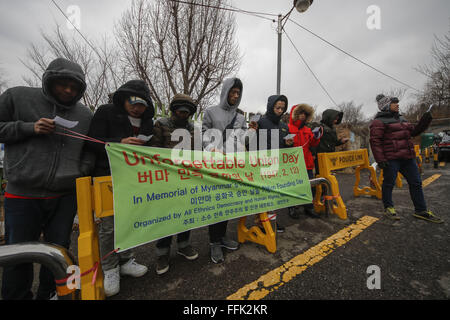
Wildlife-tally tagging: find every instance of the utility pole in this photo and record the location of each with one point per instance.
(280, 34)
(301, 6)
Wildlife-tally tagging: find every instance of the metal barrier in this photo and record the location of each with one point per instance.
(56, 258)
(340, 160)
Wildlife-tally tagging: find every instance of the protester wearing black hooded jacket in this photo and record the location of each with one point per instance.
(272, 122)
(130, 115)
(111, 122)
(329, 140)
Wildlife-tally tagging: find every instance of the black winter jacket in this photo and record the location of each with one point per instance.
(270, 121)
(329, 140)
(111, 122)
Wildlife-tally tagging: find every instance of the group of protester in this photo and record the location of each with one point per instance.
(42, 161)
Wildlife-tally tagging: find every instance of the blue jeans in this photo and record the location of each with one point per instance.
(408, 168)
(25, 220)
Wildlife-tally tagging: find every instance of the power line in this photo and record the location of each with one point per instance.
(312, 72)
(287, 18)
(84, 38)
(258, 15)
(352, 56)
(230, 8)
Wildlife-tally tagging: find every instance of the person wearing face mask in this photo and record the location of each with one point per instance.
(393, 148)
(182, 107)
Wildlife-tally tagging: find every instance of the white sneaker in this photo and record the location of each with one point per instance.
(111, 281)
(133, 269)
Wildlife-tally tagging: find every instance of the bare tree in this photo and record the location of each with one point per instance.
(396, 92)
(437, 88)
(317, 116)
(353, 114)
(100, 64)
(179, 48)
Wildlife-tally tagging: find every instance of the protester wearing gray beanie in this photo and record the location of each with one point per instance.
(384, 102)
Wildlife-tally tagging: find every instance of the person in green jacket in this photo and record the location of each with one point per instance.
(329, 140)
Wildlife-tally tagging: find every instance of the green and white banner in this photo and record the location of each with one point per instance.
(158, 193)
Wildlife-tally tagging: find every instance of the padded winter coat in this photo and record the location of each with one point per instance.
(391, 136)
(304, 136)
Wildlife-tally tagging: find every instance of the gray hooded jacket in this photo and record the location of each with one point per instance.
(218, 117)
(43, 165)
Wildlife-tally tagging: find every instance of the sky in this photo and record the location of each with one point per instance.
(401, 43)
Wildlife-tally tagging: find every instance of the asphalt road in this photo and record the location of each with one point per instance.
(411, 256)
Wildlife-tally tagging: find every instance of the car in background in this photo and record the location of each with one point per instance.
(444, 146)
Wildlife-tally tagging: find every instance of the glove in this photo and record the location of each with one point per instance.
(383, 165)
(316, 132)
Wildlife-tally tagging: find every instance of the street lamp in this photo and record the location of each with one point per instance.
(301, 6)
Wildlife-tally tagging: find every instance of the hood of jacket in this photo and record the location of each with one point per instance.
(134, 88)
(228, 84)
(271, 101)
(63, 68)
(329, 115)
(297, 110)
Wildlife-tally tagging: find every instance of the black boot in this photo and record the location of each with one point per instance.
(293, 214)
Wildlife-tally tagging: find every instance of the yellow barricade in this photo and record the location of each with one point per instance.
(256, 235)
(340, 160)
(418, 157)
(92, 198)
(426, 152)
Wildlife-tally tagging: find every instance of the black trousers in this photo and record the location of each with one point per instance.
(163, 245)
(25, 220)
(217, 231)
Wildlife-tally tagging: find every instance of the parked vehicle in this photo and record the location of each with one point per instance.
(444, 147)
